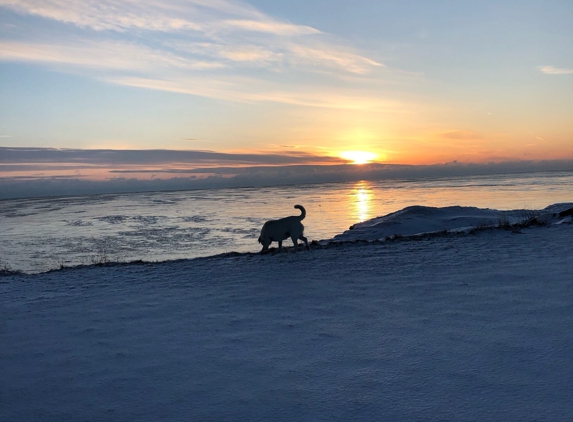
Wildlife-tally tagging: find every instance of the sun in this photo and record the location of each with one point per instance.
(358, 157)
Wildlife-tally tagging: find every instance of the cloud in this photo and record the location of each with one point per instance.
(114, 55)
(111, 60)
(103, 157)
(251, 90)
(272, 27)
(234, 28)
(196, 47)
(550, 70)
(326, 55)
(225, 177)
(248, 54)
(121, 16)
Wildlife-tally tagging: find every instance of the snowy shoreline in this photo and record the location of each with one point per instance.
(444, 327)
(410, 223)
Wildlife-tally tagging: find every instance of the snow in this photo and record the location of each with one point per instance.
(420, 220)
(453, 327)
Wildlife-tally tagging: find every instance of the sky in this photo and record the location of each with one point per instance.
(266, 83)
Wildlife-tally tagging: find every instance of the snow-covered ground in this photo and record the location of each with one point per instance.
(476, 325)
(420, 220)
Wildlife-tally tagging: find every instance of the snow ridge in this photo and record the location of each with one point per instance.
(420, 220)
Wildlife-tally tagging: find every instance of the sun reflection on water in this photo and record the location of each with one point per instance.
(363, 196)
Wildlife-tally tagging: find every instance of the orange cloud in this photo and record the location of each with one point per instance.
(550, 70)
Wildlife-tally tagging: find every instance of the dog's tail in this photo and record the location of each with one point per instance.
(302, 211)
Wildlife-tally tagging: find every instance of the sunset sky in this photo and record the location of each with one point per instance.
(410, 82)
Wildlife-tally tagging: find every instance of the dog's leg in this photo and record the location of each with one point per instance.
(294, 242)
(280, 245)
(301, 237)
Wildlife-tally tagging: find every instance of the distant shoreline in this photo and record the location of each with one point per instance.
(265, 177)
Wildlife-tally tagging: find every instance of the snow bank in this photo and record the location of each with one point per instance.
(452, 328)
(420, 220)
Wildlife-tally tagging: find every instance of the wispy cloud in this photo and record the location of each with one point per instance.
(113, 55)
(247, 54)
(269, 26)
(232, 27)
(148, 15)
(327, 55)
(177, 43)
(550, 70)
(248, 90)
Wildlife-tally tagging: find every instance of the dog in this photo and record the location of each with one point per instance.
(279, 230)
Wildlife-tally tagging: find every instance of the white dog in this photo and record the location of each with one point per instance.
(279, 230)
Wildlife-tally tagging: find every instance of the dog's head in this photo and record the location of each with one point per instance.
(265, 241)
(264, 238)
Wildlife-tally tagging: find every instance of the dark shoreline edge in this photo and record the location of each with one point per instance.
(316, 245)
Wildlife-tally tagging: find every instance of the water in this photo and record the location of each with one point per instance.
(41, 234)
